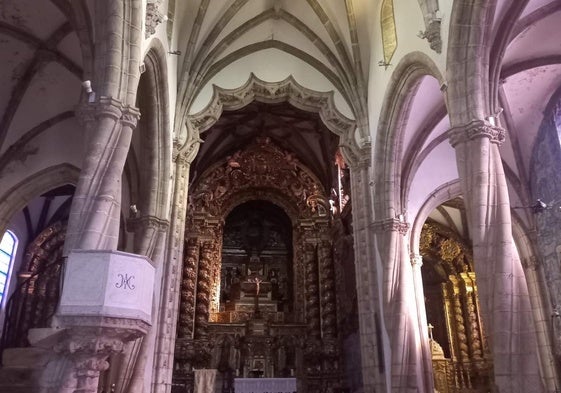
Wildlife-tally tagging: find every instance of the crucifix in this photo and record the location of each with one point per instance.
(257, 282)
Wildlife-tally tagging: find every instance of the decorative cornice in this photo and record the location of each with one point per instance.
(287, 90)
(476, 129)
(98, 323)
(390, 225)
(130, 116)
(108, 107)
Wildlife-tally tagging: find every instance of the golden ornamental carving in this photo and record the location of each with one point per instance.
(449, 250)
(262, 165)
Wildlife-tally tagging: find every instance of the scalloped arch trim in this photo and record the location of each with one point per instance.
(287, 90)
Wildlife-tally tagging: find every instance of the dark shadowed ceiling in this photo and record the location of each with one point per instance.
(300, 132)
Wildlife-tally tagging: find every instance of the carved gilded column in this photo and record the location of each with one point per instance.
(328, 302)
(188, 290)
(312, 290)
(202, 310)
(474, 331)
(459, 322)
(216, 266)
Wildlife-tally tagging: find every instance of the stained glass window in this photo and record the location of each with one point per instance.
(7, 253)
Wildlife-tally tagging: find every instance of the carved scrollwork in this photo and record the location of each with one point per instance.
(262, 165)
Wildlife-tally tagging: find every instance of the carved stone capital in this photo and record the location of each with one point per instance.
(153, 222)
(474, 130)
(432, 35)
(153, 17)
(390, 225)
(130, 116)
(108, 107)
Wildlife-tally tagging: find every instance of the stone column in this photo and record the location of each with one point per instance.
(416, 265)
(96, 207)
(368, 264)
(505, 305)
(400, 308)
(169, 300)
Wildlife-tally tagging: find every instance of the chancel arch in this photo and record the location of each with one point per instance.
(259, 273)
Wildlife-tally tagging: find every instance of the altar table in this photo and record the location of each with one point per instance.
(265, 385)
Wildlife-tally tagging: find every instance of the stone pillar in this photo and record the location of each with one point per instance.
(416, 265)
(169, 301)
(505, 305)
(400, 308)
(549, 341)
(368, 264)
(96, 207)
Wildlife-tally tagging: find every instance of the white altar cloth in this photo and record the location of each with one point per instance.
(265, 385)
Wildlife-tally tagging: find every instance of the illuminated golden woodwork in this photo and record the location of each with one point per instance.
(452, 307)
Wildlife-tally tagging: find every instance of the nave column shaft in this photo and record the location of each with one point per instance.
(171, 280)
(503, 293)
(407, 365)
(373, 338)
(96, 207)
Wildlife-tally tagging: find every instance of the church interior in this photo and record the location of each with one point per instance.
(271, 196)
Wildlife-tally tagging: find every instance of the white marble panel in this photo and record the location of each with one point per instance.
(109, 284)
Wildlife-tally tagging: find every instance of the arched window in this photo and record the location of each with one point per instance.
(7, 253)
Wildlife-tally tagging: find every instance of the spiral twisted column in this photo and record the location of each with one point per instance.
(312, 290)
(203, 290)
(328, 302)
(188, 287)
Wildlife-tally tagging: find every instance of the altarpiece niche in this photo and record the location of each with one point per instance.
(259, 281)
